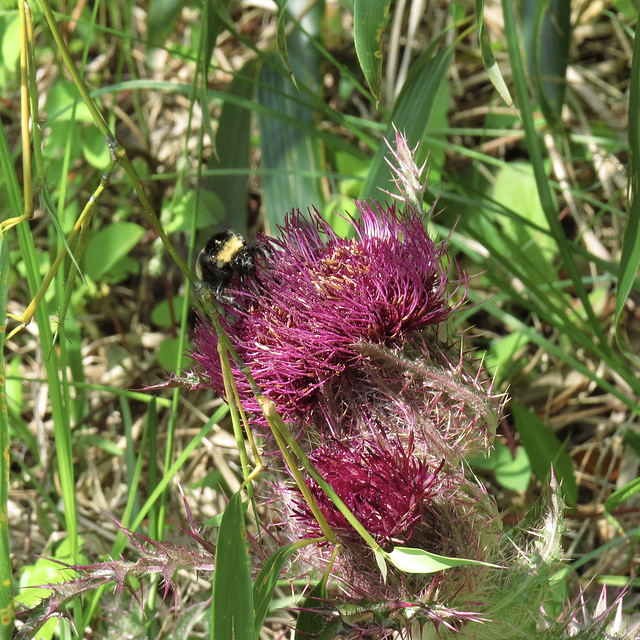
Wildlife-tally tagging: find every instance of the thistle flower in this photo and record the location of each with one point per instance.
(402, 501)
(386, 487)
(321, 297)
(345, 335)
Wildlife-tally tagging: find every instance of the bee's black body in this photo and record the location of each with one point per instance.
(227, 254)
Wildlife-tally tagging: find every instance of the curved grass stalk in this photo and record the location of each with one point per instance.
(82, 226)
(118, 152)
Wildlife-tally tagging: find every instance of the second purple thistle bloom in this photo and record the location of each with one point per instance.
(301, 323)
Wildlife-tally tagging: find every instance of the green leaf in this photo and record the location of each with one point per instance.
(6, 574)
(507, 357)
(266, 582)
(233, 141)
(412, 560)
(617, 498)
(108, 246)
(162, 314)
(60, 103)
(216, 14)
(161, 20)
(95, 148)
(513, 474)
(291, 158)
(630, 258)
(281, 37)
(381, 561)
(369, 20)
(10, 47)
(548, 56)
(169, 352)
(515, 188)
(232, 603)
(545, 450)
(121, 270)
(488, 59)
(210, 211)
(311, 623)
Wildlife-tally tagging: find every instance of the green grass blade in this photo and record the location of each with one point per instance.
(59, 411)
(547, 36)
(267, 579)
(311, 621)
(216, 16)
(233, 142)
(488, 59)
(232, 601)
(551, 57)
(545, 451)
(162, 17)
(369, 20)
(630, 258)
(535, 153)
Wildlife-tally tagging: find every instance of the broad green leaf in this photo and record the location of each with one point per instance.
(291, 158)
(60, 103)
(547, 200)
(121, 270)
(513, 474)
(369, 20)
(626, 7)
(515, 188)
(168, 353)
(210, 211)
(545, 450)
(162, 314)
(412, 560)
(108, 246)
(9, 47)
(15, 398)
(507, 357)
(95, 148)
(232, 603)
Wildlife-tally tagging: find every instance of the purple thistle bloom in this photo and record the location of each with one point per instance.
(321, 296)
(402, 501)
(387, 488)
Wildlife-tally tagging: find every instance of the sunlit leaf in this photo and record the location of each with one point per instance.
(369, 20)
(232, 589)
(412, 560)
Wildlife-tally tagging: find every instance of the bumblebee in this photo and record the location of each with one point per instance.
(225, 255)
